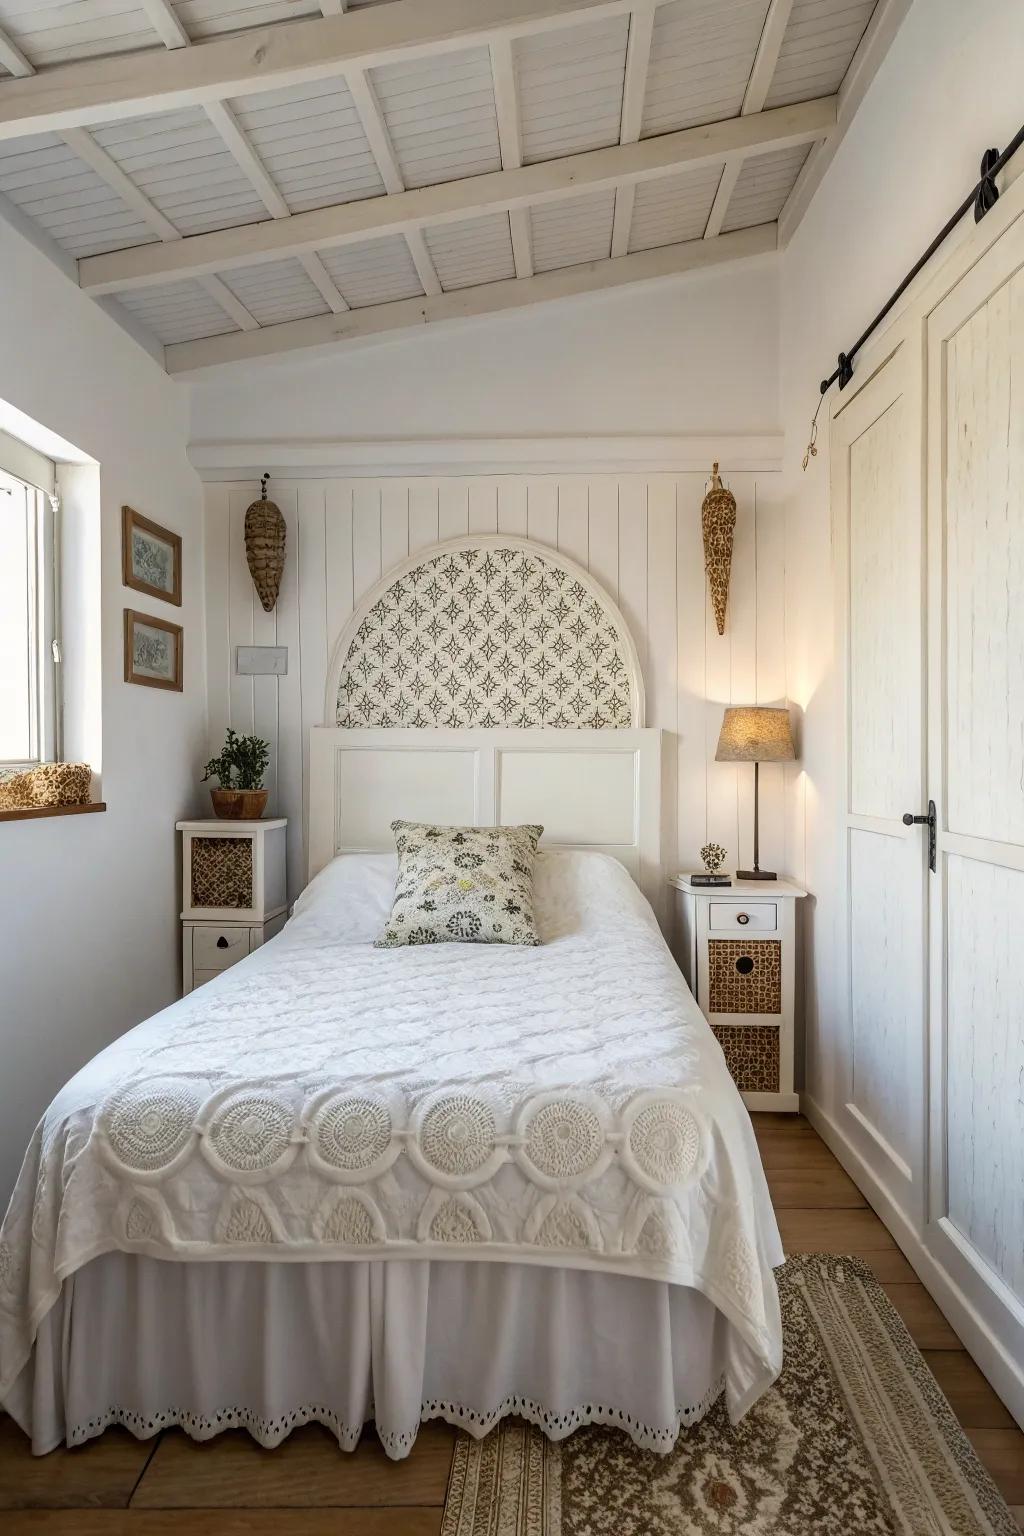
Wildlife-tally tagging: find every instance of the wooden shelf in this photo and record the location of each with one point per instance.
(37, 812)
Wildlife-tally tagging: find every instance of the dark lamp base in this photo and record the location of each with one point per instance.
(756, 874)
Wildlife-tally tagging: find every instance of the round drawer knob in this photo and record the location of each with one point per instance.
(222, 942)
(743, 918)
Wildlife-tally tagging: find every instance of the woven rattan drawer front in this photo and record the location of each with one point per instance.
(222, 872)
(744, 977)
(752, 1055)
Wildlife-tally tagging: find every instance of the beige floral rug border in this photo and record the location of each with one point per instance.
(854, 1439)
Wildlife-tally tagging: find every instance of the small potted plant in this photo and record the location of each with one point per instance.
(240, 769)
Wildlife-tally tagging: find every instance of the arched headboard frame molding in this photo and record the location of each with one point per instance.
(563, 606)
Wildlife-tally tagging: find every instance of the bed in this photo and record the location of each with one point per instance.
(341, 1183)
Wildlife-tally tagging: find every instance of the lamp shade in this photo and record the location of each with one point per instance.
(755, 734)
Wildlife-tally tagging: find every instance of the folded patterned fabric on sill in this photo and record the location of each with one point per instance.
(46, 784)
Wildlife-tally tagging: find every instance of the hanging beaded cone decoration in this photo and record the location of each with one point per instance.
(264, 546)
(718, 520)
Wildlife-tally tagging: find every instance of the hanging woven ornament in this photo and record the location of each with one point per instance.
(264, 546)
(718, 519)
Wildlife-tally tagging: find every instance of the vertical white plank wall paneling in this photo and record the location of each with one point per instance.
(638, 535)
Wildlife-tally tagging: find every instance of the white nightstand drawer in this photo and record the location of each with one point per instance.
(742, 917)
(200, 977)
(214, 949)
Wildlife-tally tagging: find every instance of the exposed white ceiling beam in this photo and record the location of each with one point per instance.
(486, 299)
(236, 141)
(322, 279)
(223, 119)
(510, 145)
(378, 137)
(94, 155)
(376, 129)
(87, 149)
(166, 23)
(447, 202)
(422, 261)
(759, 84)
(634, 89)
(221, 293)
(12, 58)
(273, 57)
(886, 20)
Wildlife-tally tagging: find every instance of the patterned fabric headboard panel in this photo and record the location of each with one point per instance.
(486, 631)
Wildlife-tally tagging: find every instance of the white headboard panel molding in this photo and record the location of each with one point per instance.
(486, 631)
(595, 789)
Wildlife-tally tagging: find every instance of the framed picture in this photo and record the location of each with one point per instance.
(150, 557)
(152, 651)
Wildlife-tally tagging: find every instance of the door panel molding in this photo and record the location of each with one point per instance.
(975, 486)
(878, 531)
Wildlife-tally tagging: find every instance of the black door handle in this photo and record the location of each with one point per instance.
(929, 821)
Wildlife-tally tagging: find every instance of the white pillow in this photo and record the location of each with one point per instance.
(351, 897)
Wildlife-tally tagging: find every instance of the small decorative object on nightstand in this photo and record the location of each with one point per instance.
(234, 895)
(737, 950)
(714, 856)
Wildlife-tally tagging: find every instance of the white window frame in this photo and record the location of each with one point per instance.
(42, 576)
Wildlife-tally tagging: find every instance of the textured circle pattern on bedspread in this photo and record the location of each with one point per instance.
(563, 1105)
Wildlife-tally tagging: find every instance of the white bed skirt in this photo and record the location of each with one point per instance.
(149, 1343)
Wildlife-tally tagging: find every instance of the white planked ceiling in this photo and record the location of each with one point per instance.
(673, 208)
(817, 47)
(763, 186)
(570, 88)
(702, 52)
(530, 97)
(178, 312)
(312, 143)
(182, 164)
(578, 229)
(276, 291)
(47, 181)
(472, 251)
(374, 272)
(440, 115)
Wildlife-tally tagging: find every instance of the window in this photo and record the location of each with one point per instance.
(29, 652)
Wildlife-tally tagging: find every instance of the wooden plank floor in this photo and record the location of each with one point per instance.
(118, 1486)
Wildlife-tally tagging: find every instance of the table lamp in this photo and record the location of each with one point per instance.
(755, 734)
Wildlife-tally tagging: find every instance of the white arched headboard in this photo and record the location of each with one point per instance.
(486, 631)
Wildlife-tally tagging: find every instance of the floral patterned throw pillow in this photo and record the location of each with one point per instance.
(462, 885)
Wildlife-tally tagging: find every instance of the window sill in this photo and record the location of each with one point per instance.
(36, 812)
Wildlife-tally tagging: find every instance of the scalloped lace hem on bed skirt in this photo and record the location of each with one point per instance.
(270, 1432)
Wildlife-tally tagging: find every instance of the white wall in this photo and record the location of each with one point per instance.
(949, 88)
(638, 535)
(89, 904)
(691, 356)
(695, 354)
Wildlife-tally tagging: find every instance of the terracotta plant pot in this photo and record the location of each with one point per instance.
(239, 804)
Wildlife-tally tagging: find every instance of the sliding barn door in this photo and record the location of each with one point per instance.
(975, 422)
(877, 504)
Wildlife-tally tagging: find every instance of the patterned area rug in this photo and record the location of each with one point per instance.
(854, 1439)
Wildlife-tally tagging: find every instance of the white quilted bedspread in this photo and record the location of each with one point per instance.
(561, 1105)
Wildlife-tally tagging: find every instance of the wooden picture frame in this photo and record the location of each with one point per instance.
(133, 522)
(136, 669)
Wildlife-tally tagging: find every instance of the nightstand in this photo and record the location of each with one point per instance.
(234, 895)
(736, 946)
